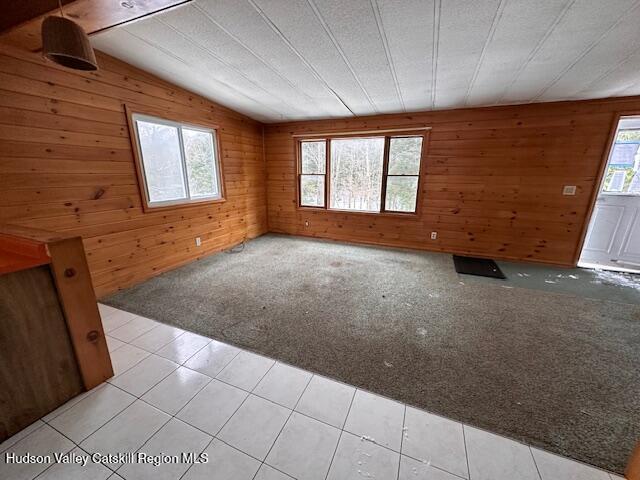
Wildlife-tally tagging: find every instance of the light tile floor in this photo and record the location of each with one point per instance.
(256, 418)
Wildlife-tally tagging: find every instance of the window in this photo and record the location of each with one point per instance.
(178, 163)
(623, 170)
(365, 174)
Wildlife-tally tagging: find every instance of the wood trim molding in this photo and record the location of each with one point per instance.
(130, 112)
(632, 471)
(92, 15)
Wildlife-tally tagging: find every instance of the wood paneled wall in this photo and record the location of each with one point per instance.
(492, 186)
(66, 165)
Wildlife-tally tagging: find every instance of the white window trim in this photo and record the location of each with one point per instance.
(188, 200)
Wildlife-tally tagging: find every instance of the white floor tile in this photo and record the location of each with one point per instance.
(212, 406)
(127, 431)
(116, 320)
(70, 403)
(255, 426)
(12, 440)
(212, 358)
(133, 329)
(356, 458)
(376, 417)
(435, 439)
(326, 400)
(492, 457)
(175, 391)
(246, 370)
(183, 347)
(143, 376)
(269, 473)
(113, 343)
(283, 384)
(304, 448)
(156, 338)
(76, 471)
(411, 469)
(554, 467)
(225, 463)
(106, 310)
(126, 357)
(43, 441)
(174, 438)
(89, 414)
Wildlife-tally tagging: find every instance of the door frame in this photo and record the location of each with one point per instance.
(598, 183)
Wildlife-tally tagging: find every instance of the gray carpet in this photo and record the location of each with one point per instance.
(555, 370)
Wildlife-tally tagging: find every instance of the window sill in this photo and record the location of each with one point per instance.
(408, 215)
(174, 206)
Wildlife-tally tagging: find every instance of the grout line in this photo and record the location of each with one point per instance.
(535, 463)
(240, 350)
(342, 430)
(466, 451)
(404, 419)
(286, 421)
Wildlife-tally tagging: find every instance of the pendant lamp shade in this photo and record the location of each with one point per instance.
(65, 42)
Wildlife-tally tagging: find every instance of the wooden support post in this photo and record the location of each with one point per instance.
(73, 281)
(633, 467)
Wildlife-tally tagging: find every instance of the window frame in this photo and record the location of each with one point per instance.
(423, 132)
(134, 114)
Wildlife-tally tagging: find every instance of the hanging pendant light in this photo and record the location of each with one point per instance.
(66, 43)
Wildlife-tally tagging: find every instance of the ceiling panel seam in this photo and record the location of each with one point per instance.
(584, 53)
(385, 43)
(288, 43)
(610, 71)
(437, 7)
(191, 67)
(336, 44)
(228, 65)
(536, 49)
(497, 16)
(251, 51)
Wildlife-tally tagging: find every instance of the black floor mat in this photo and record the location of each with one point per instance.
(477, 266)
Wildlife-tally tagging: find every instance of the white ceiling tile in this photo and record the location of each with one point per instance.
(601, 59)
(464, 29)
(355, 32)
(409, 30)
(279, 60)
(120, 44)
(244, 23)
(585, 22)
(523, 25)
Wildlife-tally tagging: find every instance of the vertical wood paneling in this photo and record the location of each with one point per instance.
(492, 185)
(66, 164)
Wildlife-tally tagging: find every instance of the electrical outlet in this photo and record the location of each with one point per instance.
(198, 242)
(306, 223)
(434, 235)
(569, 190)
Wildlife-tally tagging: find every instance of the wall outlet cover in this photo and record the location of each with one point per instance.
(434, 235)
(198, 242)
(569, 190)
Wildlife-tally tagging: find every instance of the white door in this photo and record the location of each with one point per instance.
(613, 237)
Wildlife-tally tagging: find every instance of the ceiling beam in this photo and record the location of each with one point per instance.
(92, 15)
